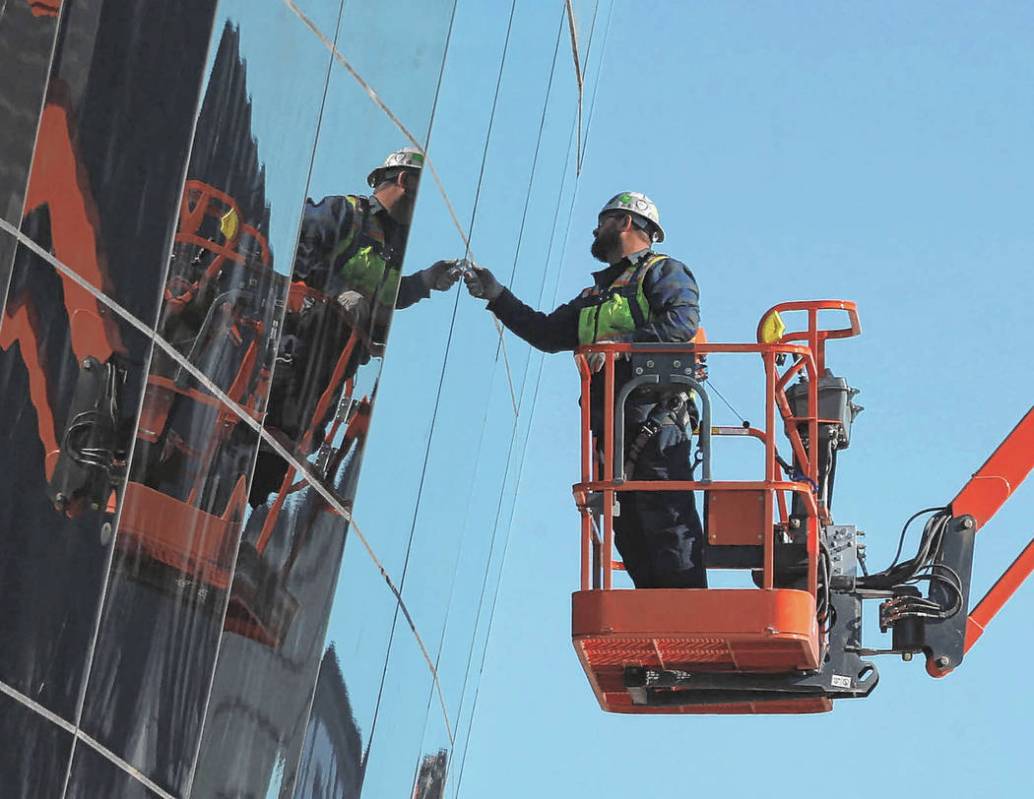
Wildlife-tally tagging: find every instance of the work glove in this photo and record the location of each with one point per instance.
(481, 283)
(355, 309)
(597, 360)
(441, 275)
(700, 368)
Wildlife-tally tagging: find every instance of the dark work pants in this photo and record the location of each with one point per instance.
(658, 533)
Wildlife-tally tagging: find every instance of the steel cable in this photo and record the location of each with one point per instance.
(534, 403)
(441, 378)
(484, 420)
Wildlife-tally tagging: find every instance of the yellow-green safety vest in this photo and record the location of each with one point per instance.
(365, 270)
(621, 307)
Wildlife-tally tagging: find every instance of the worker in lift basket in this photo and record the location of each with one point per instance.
(641, 296)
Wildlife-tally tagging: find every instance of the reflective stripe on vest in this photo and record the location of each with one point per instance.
(620, 308)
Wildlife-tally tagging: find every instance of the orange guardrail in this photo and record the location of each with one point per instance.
(602, 456)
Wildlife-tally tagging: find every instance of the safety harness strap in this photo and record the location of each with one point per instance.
(673, 408)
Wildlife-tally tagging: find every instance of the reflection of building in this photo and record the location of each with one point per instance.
(332, 761)
(184, 627)
(430, 778)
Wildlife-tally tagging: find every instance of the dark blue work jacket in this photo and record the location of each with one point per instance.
(674, 301)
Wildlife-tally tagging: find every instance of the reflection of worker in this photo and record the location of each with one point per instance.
(353, 243)
(640, 297)
(345, 285)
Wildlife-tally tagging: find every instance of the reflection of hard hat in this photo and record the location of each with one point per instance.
(640, 205)
(409, 157)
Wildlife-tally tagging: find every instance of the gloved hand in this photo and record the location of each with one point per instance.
(700, 368)
(597, 360)
(441, 275)
(482, 284)
(355, 308)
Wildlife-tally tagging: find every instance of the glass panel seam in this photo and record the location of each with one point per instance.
(36, 707)
(118, 762)
(70, 728)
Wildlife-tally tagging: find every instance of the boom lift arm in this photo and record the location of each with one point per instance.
(947, 553)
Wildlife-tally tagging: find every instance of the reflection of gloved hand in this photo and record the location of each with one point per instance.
(482, 284)
(441, 275)
(355, 307)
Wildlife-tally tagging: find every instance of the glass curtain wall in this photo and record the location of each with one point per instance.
(95, 221)
(201, 596)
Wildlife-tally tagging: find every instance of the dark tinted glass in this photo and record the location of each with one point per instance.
(26, 43)
(94, 776)
(186, 494)
(34, 757)
(102, 197)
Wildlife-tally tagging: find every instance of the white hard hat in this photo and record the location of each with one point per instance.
(409, 157)
(639, 204)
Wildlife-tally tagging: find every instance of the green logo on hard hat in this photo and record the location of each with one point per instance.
(416, 158)
(625, 198)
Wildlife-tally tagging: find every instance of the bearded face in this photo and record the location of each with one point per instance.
(406, 202)
(607, 241)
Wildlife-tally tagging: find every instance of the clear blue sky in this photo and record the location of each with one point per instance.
(879, 152)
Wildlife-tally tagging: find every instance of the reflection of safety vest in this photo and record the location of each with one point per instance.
(619, 308)
(361, 266)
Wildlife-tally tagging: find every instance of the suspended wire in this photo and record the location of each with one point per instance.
(401, 605)
(596, 85)
(531, 182)
(578, 77)
(444, 369)
(495, 526)
(477, 196)
(484, 586)
(736, 413)
(535, 157)
(534, 402)
(484, 419)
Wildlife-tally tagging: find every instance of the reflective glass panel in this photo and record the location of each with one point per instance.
(93, 776)
(101, 198)
(34, 757)
(186, 494)
(458, 422)
(26, 42)
(348, 270)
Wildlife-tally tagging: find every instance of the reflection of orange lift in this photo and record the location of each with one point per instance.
(173, 531)
(793, 644)
(176, 532)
